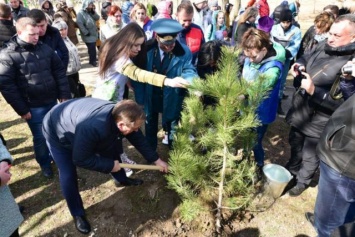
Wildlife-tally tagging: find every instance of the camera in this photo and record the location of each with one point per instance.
(299, 76)
(347, 69)
(297, 69)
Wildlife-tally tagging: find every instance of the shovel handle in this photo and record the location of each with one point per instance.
(140, 167)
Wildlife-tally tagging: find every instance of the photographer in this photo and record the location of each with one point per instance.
(311, 110)
(334, 215)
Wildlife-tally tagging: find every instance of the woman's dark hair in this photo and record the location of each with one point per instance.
(208, 57)
(120, 45)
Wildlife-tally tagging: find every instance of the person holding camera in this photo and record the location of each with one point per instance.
(333, 212)
(314, 102)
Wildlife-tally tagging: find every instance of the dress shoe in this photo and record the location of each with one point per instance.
(82, 224)
(129, 182)
(94, 64)
(310, 217)
(297, 190)
(47, 172)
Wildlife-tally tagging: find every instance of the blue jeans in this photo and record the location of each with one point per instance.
(92, 52)
(42, 155)
(335, 201)
(68, 179)
(258, 149)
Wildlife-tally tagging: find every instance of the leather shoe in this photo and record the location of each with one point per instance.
(129, 182)
(47, 172)
(297, 190)
(82, 224)
(310, 217)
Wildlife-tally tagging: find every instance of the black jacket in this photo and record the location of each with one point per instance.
(87, 128)
(322, 64)
(336, 147)
(7, 30)
(53, 39)
(31, 75)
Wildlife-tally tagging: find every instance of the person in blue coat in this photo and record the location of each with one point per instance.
(165, 55)
(88, 133)
(263, 57)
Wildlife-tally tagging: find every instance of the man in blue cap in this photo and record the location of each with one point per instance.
(165, 55)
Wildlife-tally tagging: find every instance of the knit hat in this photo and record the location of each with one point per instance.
(286, 15)
(265, 24)
(60, 25)
(213, 3)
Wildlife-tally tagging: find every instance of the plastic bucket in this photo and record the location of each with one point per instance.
(277, 178)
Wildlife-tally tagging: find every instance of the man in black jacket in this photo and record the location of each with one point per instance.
(7, 28)
(308, 121)
(32, 79)
(88, 133)
(335, 203)
(50, 35)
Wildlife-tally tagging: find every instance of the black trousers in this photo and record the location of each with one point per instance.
(304, 161)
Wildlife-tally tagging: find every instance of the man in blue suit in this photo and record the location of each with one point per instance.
(168, 57)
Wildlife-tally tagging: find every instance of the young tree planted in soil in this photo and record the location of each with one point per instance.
(205, 171)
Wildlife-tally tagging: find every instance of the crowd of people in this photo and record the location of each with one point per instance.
(156, 53)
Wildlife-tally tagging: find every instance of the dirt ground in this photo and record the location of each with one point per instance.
(150, 209)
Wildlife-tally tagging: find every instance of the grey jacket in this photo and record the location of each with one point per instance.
(87, 23)
(21, 13)
(10, 216)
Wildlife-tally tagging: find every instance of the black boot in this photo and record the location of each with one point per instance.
(280, 112)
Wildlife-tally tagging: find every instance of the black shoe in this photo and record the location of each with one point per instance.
(280, 112)
(93, 64)
(21, 208)
(310, 217)
(297, 190)
(129, 182)
(47, 172)
(259, 172)
(82, 224)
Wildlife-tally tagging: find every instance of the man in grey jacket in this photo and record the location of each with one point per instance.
(17, 10)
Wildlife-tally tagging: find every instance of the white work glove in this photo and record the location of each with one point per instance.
(176, 82)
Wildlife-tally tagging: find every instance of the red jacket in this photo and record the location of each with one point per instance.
(264, 9)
